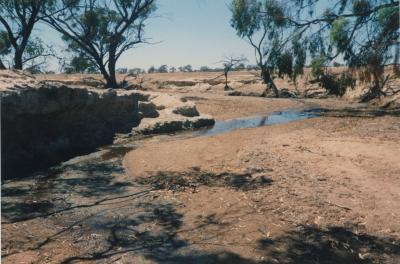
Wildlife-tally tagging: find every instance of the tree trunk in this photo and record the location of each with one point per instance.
(18, 60)
(112, 81)
(105, 74)
(226, 88)
(266, 76)
(2, 66)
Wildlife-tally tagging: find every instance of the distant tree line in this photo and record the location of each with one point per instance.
(188, 68)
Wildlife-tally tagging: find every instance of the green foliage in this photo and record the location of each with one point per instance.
(163, 69)
(246, 16)
(18, 19)
(275, 11)
(205, 69)
(101, 30)
(388, 18)
(337, 85)
(365, 33)
(5, 45)
(81, 64)
(285, 64)
(318, 65)
(263, 24)
(186, 68)
(339, 33)
(361, 7)
(34, 48)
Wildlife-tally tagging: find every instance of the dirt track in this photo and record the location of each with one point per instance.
(324, 190)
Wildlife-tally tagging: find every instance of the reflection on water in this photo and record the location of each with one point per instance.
(270, 119)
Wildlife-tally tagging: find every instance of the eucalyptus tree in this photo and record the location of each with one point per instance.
(364, 33)
(18, 19)
(102, 30)
(263, 25)
(162, 69)
(186, 68)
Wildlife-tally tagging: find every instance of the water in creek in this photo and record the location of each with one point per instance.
(257, 121)
(92, 195)
(117, 151)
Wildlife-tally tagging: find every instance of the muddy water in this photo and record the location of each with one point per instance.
(93, 190)
(280, 117)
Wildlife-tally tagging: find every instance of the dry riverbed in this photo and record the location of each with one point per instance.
(321, 190)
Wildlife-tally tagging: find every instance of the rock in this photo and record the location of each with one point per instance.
(148, 109)
(172, 125)
(186, 110)
(286, 93)
(179, 83)
(44, 123)
(315, 93)
(234, 93)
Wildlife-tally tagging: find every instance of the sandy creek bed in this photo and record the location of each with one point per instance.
(319, 190)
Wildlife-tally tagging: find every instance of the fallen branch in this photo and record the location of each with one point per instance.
(340, 206)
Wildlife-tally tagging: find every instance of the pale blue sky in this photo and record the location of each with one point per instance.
(195, 32)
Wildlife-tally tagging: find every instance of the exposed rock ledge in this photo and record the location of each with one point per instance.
(46, 122)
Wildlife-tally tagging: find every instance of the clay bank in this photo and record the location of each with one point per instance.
(46, 122)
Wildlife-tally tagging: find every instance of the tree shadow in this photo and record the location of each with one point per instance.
(153, 234)
(337, 244)
(194, 178)
(154, 229)
(45, 195)
(360, 112)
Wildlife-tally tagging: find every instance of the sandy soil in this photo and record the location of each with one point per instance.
(324, 174)
(323, 190)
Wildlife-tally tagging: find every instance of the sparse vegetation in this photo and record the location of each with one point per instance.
(164, 154)
(186, 68)
(230, 63)
(364, 32)
(163, 69)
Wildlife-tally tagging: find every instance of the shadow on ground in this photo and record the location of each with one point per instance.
(194, 178)
(308, 244)
(117, 225)
(46, 195)
(360, 112)
(154, 234)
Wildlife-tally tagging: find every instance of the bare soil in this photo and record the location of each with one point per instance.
(325, 176)
(322, 190)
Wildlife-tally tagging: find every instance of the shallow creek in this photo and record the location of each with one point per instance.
(86, 194)
(100, 161)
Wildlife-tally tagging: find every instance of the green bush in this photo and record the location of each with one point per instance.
(337, 85)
